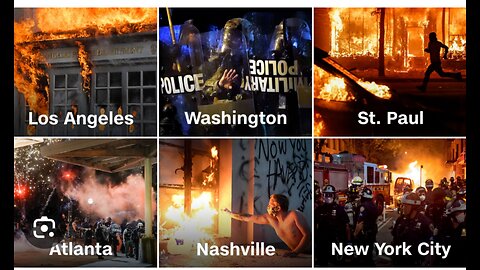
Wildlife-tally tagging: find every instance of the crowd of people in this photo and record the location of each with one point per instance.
(428, 214)
(123, 238)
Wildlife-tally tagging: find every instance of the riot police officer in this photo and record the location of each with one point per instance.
(128, 239)
(331, 225)
(411, 228)
(455, 234)
(101, 236)
(436, 209)
(366, 226)
(136, 236)
(421, 192)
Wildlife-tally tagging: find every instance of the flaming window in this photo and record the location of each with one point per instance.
(63, 56)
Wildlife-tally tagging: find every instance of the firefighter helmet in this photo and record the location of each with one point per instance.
(429, 183)
(329, 189)
(411, 199)
(462, 191)
(444, 182)
(357, 180)
(367, 193)
(407, 189)
(457, 205)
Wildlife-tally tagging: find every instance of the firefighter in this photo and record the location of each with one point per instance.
(352, 203)
(353, 198)
(421, 192)
(411, 228)
(332, 224)
(455, 234)
(366, 226)
(428, 194)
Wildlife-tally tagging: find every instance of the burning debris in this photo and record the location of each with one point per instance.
(329, 87)
(48, 25)
(189, 229)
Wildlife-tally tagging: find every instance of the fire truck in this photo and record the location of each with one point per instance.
(339, 169)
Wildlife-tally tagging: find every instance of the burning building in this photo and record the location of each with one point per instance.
(354, 35)
(85, 64)
(374, 58)
(199, 179)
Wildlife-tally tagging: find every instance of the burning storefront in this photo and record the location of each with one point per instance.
(374, 59)
(202, 183)
(354, 36)
(85, 71)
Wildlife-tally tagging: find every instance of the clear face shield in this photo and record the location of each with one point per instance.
(190, 53)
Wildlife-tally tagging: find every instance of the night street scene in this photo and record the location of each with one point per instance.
(249, 67)
(85, 72)
(406, 66)
(390, 202)
(81, 202)
(235, 203)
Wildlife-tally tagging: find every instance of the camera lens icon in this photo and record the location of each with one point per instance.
(46, 226)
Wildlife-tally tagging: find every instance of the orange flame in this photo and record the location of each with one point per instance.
(319, 125)
(413, 172)
(86, 66)
(192, 229)
(213, 166)
(329, 87)
(379, 90)
(30, 77)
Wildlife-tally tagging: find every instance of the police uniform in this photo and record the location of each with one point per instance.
(330, 224)
(411, 231)
(367, 213)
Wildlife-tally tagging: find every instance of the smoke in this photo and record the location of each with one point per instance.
(429, 153)
(120, 201)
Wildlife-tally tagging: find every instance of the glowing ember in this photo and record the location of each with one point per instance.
(379, 90)
(329, 87)
(52, 24)
(319, 125)
(20, 191)
(192, 229)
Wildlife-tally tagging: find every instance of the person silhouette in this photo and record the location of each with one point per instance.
(434, 47)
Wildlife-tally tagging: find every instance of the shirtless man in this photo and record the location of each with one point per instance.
(290, 226)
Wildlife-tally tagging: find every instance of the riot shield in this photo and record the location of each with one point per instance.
(227, 70)
(181, 79)
(280, 77)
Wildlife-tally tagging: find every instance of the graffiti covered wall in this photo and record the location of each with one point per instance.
(282, 166)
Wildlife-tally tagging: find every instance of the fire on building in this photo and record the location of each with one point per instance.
(373, 57)
(85, 61)
(354, 36)
(202, 182)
